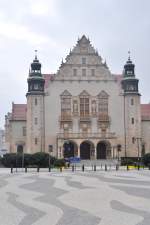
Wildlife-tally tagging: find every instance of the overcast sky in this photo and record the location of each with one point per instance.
(53, 27)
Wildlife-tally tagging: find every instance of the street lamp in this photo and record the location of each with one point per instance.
(118, 150)
(138, 145)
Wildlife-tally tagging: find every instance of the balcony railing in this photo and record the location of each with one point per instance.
(64, 117)
(86, 135)
(85, 117)
(103, 118)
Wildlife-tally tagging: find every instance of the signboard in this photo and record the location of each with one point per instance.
(74, 160)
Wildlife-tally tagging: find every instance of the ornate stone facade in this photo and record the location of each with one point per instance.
(83, 110)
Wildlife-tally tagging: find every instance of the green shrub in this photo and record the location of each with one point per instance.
(130, 161)
(41, 159)
(59, 163)
(146, 159)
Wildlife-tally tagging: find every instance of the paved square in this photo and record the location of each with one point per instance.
(80, 198)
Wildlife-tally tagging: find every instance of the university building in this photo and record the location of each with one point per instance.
(83, 110)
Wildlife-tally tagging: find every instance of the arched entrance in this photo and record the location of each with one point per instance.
(20, 149)
(86, 149)
(70, 149)
(103, 150)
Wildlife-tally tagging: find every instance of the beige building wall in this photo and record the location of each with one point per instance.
(146, 135)
(133, 125)
(35, 123)
(17, 136)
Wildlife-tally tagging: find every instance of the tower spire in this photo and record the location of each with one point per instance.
(35, 54)
(129, 58)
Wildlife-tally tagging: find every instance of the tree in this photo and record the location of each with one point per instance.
(146, 159)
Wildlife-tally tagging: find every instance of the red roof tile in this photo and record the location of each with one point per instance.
(145, 111)
(19, 111)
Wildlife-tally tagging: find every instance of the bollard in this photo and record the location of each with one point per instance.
(117, 166)
(83, 167)
(25, 169)
(105, 167)
(72, 168)
(11, 169)
(94, 167)
(101, 166)
(127, 167)
(60, 169)
(49, 169)
(38, 169)
(138, 167)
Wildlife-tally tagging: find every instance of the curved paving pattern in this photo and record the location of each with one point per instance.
(89, 198)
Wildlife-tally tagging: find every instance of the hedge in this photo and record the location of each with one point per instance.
(39, 159)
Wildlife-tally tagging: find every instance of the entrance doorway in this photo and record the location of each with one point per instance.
(20, 149)
(86, 150)
(103, 150)
(70, 149)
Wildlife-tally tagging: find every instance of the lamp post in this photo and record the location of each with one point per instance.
(138, 146)
(50, 150)
(118, 150)
(22, 160)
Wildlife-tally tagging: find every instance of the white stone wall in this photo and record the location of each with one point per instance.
(53, 107)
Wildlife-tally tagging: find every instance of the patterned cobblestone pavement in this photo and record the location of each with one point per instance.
(89, 198)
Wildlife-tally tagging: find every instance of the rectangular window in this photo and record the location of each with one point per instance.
(92, 72)
(84, 107)
(66, 107)
(74, 72)
(84, 72)
(83, 61)
(36, 141)
(24, 131)
(132, 101)
(35, 101)
(132, 120)
(103, 105)
(35, 120)
(133, 140)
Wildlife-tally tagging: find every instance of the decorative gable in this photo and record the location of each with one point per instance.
(84, 93)
(66, 93)
(102, 94)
